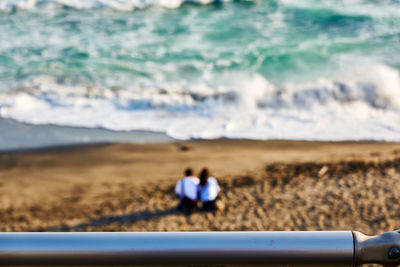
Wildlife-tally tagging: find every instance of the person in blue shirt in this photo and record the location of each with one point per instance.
(186, 190)
(207, 190)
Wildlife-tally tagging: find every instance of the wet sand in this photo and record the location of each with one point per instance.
(266, 185)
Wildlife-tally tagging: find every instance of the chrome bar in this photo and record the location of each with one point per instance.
(320, 248)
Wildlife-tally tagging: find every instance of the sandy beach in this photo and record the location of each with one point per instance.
(266, 185)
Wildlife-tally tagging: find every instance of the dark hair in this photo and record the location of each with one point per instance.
(188, 172)
(204, 174)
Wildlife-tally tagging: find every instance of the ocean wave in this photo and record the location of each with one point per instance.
(361, 7)
(119, 5)
(246, 107)
(372, 8)
(379, 89)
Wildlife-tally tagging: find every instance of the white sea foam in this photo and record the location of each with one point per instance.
(120, 5)
(366, 107)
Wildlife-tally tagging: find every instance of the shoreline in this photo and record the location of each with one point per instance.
(18, 136)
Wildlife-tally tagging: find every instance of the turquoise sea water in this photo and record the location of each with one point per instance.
(286, 69)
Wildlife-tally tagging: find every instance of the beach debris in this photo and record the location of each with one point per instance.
(220, 205)
(184, 148)
(323, 171)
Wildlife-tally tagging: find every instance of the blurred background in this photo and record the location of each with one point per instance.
(293, 106)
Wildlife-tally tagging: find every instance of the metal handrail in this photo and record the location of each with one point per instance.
(313, 248)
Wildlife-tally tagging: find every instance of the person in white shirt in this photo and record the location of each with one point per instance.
(186, 190)
(207, 190)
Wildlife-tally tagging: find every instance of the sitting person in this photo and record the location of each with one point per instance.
(186, 190)
(207, 190)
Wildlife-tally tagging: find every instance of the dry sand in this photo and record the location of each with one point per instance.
(266, 185)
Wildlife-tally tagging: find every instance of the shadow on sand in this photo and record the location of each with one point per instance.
(108, 220)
